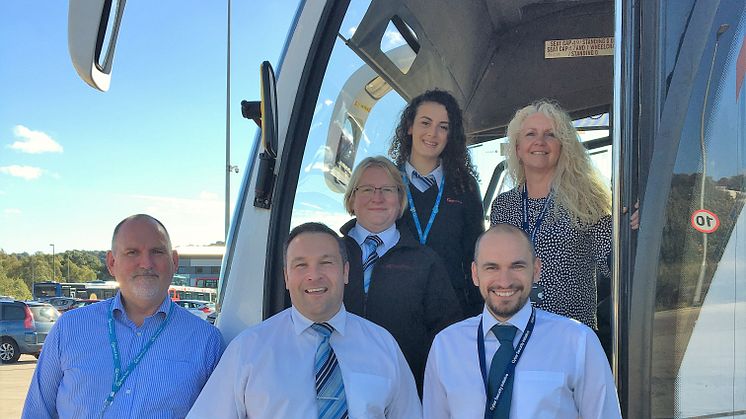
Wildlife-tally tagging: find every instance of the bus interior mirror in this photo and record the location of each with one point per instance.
(92, 30)
(269, 110)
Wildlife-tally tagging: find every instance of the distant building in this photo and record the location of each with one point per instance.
(199, 266)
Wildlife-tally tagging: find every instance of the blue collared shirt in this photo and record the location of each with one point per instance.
(75, 371)
(390, 237)
(267, 372)
(419, 183)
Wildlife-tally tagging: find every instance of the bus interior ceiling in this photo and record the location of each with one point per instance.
(495, 63)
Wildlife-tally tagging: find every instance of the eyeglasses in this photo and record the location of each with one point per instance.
(367, 191)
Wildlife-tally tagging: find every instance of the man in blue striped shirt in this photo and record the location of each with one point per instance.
(137, 355)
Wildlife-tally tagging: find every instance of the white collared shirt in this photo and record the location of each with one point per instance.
(563, 372)
(267, 371)
(419, 183)
(390, 237)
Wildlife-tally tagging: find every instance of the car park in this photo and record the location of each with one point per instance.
(18, 333)
(200, 309)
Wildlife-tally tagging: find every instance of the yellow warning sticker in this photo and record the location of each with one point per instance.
(582, 47)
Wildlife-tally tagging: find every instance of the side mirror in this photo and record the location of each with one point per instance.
(264, 113)
(269, 109)
(91, 38)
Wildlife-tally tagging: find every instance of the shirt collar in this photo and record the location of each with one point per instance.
(519, 319)
(118, 306)
(389, 237)
(437, 172)
(301, 323)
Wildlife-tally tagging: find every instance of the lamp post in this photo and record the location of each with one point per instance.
(52, 244)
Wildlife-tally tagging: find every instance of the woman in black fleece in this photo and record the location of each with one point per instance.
(394, 281)
(429, 148)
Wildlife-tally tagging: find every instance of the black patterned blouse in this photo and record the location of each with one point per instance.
(569, 256)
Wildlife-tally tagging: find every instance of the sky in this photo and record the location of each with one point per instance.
(75, 161)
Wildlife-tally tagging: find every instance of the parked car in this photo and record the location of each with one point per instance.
(62, 304)
(44, 317)
(200, 309)
(212, 317)
(17, 331)
(82, 303)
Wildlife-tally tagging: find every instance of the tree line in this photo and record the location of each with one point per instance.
(18, 271)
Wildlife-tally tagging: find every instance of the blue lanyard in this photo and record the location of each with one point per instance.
(510, 369)
(533, 232)
(119, 376)
(413, 210)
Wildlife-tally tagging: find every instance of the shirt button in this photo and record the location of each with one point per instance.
(129, 390)
(139, 333)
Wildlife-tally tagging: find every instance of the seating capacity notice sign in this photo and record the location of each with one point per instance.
(582, 47)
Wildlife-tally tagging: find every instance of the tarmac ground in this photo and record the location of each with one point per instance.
(15, 379)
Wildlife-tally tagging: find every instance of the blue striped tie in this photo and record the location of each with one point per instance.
(330, 390)
(426, 181)
(371, 244)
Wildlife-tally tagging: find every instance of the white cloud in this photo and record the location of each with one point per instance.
(34, 142)
(351, 31)
(12, 211)
(328, 102)
(209, 196)
(25, 172)
(392, 39)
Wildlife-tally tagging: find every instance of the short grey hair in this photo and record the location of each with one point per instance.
(140, 217)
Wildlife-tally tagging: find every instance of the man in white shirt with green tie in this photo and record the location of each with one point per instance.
(314, 359)
(555, 367)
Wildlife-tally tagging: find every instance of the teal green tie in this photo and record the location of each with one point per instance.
(500, 361)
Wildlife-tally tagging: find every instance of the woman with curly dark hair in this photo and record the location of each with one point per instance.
(445, 206)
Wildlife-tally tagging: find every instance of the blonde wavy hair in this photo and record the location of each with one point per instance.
(578, 187)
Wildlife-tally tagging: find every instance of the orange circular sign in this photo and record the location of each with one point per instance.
(705, 221)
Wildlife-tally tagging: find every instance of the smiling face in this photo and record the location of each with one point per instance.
(315, 275)
(537, 147)
(429, 131)
(504, 270)
(377, 211)
(142, 261)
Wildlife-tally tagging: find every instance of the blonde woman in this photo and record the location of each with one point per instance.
(394, 281)
(563, 205)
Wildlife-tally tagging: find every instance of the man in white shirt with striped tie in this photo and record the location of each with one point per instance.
(314, 359)
(514, 361)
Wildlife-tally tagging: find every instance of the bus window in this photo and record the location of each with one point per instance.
(699, 322)
(348, 125)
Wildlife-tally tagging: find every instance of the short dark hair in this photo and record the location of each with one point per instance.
(312, 228)
(139, 217)
(506, 228)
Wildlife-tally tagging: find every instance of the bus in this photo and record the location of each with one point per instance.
(102, 290)
(95, 290)
(48, 289)
(662, 81)
(180, 292)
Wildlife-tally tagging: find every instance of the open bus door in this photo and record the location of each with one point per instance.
(669, 73)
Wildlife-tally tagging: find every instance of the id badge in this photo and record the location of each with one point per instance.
(537, 293)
